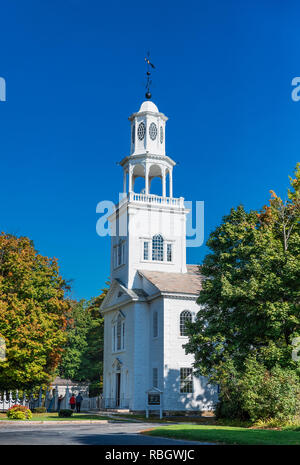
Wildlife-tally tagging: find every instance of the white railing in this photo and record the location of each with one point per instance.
(156, 199)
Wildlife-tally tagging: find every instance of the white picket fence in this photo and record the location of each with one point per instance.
(48, 399)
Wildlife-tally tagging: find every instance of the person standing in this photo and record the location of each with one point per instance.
(72, 402)
(79, 399)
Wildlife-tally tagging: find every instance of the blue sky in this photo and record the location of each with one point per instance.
(75, 71)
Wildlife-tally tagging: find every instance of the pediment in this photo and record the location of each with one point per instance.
(117, 364)
(117, 315)
(154, 390)
(117, 295)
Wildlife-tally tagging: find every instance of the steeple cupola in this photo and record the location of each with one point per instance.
(147, 157)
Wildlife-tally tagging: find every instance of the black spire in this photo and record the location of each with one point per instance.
(148, 74)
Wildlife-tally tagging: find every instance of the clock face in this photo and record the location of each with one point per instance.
(141, 131)
(161, 135)
(133, 134)
(153, 131)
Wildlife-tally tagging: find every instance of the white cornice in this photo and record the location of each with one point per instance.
(168, 295)
(151, 113)
(172, 295)
(105, 307)
(147, 156)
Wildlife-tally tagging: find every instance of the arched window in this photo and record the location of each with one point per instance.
(185, 317)
(118, 333)
(157, 247)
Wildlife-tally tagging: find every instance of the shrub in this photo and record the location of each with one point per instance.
(257, 393)
(271, 393)
(293, 425)
(39, 410)
(229, 405)
(19, 412)
(66, 412)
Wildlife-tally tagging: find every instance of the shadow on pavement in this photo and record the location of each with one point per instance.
(124, 439)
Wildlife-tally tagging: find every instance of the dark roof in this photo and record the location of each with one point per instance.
(181, 283)
(139, 292)
(135, 292)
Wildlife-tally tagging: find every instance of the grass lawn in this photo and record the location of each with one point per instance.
(54, 416)
(228, 435)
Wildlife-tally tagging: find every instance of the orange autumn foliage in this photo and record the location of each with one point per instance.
(33, 313)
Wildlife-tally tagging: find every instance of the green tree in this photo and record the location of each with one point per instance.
(33, 313)
(78, 325)
(82, 359)
(92, 361)
(250, 296)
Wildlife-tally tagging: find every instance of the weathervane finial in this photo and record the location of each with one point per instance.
(148, 74)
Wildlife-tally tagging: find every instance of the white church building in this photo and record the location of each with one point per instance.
(153, 291)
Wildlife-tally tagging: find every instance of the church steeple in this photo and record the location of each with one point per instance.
(147, 157)
(149, 229)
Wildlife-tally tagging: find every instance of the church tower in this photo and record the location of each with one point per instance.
(153, 292)
(148, 230)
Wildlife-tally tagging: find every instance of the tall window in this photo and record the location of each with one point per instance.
(119, 249)
(155, 377)
(185, 317)
(118, 334)
(114, 338)
(157, 248)
(119, 254)
(186, 380)
(155, 324)
(169, 252)
(146, 250)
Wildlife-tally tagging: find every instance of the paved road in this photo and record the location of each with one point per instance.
(104, 434)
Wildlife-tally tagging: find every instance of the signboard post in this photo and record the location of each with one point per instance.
(154, 401)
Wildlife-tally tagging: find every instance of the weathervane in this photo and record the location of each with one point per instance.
(148, 74)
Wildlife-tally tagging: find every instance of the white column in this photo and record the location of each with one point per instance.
(147, 179)
(171, 183)
(130, 178)
(164, 182)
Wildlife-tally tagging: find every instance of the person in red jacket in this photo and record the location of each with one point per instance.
(72, 402)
